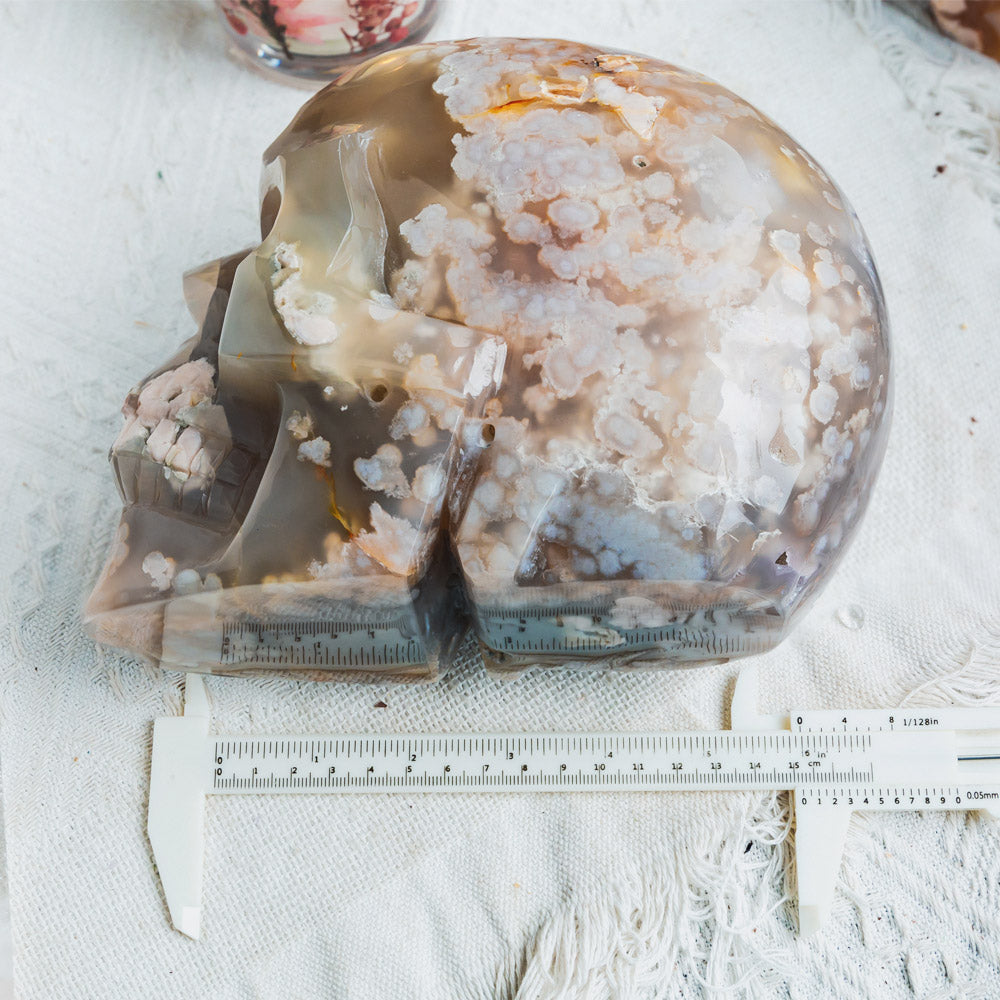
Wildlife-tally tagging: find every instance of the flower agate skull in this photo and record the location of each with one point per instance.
(576, 346)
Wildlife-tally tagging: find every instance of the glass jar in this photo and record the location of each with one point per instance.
(317, 39)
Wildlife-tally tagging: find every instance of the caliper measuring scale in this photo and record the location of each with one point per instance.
(833, 762)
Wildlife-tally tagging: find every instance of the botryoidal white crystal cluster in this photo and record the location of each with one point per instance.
(577, 340)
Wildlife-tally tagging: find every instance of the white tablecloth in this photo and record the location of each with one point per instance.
(130, 151)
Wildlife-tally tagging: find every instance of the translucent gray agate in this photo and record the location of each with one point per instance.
(576, 347)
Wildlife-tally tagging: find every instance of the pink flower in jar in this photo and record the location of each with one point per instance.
(379, 20)
(298, 26)
(363, 23)
(279, 20)
(237, 15)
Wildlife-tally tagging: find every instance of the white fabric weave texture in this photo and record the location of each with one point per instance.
(130, 152)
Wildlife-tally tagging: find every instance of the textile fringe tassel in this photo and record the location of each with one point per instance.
(975, 681)
(713, 916)
(954, 90)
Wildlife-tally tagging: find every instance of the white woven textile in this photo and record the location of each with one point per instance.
(130, 150)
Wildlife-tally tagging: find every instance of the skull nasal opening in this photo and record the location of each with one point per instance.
(269, 208)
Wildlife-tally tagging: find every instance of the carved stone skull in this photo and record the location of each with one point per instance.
(577, 346)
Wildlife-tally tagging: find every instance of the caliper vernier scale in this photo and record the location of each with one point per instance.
(833, 762)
